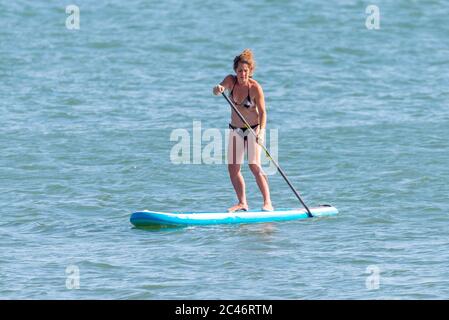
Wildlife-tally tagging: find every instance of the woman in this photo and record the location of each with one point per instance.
(247, 96)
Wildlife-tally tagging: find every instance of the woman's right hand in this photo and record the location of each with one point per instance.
(218, 89)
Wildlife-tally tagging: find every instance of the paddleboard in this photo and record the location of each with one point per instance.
(151, 218)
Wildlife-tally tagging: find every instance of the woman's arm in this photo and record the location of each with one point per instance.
(260, 105)
(225, 84)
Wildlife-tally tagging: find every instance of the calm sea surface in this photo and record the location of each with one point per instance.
(85, 122)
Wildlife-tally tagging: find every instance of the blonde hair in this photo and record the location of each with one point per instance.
(246, 57)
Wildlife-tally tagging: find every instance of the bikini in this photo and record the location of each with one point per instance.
(247, 103)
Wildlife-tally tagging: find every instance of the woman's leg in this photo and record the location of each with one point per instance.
(262, 183)
(254, 151)
(239, 186)
(235, 158)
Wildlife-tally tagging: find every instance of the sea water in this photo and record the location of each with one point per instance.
(89, 99)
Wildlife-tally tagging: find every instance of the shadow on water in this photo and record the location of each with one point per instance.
(252, 228)
(159, 228)
(265, 228)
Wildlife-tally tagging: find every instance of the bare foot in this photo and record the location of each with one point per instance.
(238, 207)
(267, 207)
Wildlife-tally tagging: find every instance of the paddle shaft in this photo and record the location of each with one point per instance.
(248, 126)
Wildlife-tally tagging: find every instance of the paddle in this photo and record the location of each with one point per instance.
(247, 125)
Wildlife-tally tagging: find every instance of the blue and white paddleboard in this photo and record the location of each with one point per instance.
(151, 218)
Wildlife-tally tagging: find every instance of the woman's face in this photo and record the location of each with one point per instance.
(243, 72)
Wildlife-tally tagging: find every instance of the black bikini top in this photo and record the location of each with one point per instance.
(247, 103)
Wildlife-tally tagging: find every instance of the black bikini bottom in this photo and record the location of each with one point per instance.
(243, 129)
